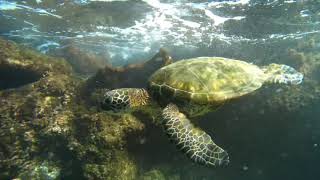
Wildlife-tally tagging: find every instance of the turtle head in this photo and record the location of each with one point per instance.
(115, 100)
(124, 99)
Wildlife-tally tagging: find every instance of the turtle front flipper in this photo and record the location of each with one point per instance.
(194, 142)
(124, 99)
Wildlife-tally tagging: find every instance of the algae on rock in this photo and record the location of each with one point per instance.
(46, 130)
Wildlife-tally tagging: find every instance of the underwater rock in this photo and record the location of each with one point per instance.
(40, 171)
(307, 62)
(19, 66)
(31, 108)
(153, 174)
(133, 75)
(83, 61)
(120, 168)
(46, 119)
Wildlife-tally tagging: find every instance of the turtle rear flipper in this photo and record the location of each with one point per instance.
(194, 142)
(283, 74)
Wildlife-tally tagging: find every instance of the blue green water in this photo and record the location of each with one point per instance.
(270, 135)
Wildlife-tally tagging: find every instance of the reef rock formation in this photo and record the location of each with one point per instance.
(133, 75)
(83, 62)
(19, 66)
(45, 130)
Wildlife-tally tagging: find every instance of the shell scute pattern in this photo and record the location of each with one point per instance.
(206, 80)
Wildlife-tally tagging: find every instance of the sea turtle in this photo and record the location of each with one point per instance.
(194, 87)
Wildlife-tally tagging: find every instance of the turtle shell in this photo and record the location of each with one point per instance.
(206, 80)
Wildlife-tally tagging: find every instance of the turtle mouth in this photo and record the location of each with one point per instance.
(15, 77)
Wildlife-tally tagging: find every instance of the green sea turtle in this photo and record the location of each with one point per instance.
(192, 87)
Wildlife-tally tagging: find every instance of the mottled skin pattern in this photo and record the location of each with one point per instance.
(127, 98)
(194, 142)
(290, 77)
(195, 87)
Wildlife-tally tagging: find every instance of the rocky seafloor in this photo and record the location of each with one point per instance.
(51, 127)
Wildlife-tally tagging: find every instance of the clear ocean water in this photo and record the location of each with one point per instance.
(273, 134)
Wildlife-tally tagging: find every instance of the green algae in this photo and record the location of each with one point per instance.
(153, 175)
(42, 171)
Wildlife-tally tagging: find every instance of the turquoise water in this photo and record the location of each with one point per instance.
(272, 134)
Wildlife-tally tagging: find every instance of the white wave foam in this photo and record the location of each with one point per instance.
(297, 35)
(44, 48)
(5, 5)
(220, 20)
(218, 4)
(177, 24)
(169, 24)
(291, 1)
(109, 0)
(88, 1)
